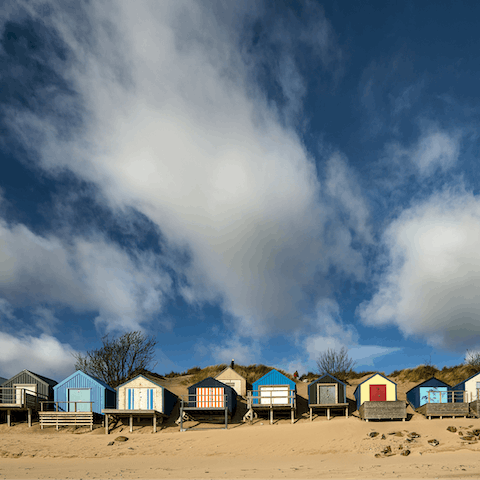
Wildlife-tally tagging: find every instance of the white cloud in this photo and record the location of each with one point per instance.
(365, 355)
(436, 149)
(234, 348)
(44, 355)
(430, 283)
(174, 127)
(86, 275)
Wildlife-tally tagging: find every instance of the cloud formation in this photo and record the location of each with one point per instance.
(173, 126)
(430, 281)
(87, 275)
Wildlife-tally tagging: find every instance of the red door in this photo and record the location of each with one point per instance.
(378, 393)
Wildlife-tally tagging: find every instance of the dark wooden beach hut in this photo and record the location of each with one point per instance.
(434, 398)
(207, 400)
(327, 393)
(24, 392)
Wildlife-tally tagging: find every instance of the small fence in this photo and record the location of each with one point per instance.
(451, 396)
(201, 405)
(271, 399)
(20, 397)
(70, 417)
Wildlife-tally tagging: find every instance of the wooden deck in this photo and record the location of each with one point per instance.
(475, 408)
(68, 419)
(19, 399)
(391, 410)
(441, 410)
(269, 404)
(116, 413)
(328, 407)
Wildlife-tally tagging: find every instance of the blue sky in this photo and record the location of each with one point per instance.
(250, 180)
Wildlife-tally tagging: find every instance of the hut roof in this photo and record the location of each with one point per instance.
(276, 378)
(209, 381)
(326, 375)
(146, 377)
(236, 374)
(467, 379)
(80, 372)
(371, 376)
(430, 380)
(41, 378)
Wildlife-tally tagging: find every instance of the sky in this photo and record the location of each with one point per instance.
(258, 180)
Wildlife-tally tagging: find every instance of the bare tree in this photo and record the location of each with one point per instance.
(336, 363)
(472, 359)
(118, 358)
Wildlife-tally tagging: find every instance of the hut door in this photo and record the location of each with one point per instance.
(140, 399)
(327, 394)
(378, 393)
(210, 397)
(24, 388)
(78, 395)
(274, 395)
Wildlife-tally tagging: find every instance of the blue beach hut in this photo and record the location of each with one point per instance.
(432, 390)
(274, 388)
(81, 387)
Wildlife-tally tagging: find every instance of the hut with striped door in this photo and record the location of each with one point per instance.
(434, 398)
(78, 400)
(24, 392)
(208, 400)
(377, 399)
(141, 396)
(327, 393)
(471, 389)
(233, 379)
(272, 392)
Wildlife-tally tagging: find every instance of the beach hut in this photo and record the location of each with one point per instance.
(77, 399)
(471, 387)
(139, 397)
(208, 399)
(24, 392)
(273, 391)
(377, 399)
(233, 379)
(432, 390)
(327, 392)
(434, 398)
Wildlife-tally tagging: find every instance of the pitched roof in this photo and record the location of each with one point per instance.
(232, 370)
(371, 376)
(80, 372)
(467, 379)
(146, 377)
(425, 381)
(326, 375)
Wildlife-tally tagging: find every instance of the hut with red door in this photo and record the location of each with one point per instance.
(377, 399)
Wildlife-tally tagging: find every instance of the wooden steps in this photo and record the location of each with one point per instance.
(63, 419)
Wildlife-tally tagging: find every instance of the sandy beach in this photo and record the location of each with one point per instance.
(339, 448)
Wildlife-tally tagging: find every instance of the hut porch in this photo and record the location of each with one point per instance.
(19, 399)
(117, 414)
(441, 410)
(268, 403)
(383, 410)
(328, 408)
(208, 412)
(75, 414)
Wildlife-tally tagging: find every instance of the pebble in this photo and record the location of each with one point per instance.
(434, 442)
(405, 453)
(452, 429)
(121, 439)
(110, 443)
(373, 434)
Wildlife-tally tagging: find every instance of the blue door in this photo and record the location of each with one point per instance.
(436, 395)
(79, 395)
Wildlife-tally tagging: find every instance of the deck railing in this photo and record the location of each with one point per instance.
(451, 396)
(279, 399)
(56, 404)
(20, 397)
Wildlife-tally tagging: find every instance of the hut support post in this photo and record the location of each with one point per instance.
(181, 416)
(311, 415)
(131, 423)
(293, 416)
(271, 416)
(154, 423)
(346, 412)
(29, 413)
(8, 417)
(328, 413)
(106, 424)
